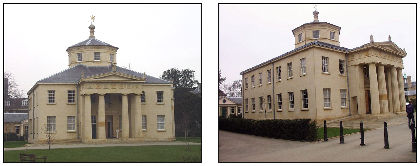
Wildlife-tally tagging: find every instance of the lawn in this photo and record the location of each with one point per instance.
(334, 131)
(158, 153)
(14, 144)
(189, 139)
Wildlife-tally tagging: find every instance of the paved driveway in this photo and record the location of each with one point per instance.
(235, 147)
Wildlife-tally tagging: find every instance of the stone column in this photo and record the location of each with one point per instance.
(395, 91)
(137, 116)
(361, 100)
(101, 117)
(124, 113)
(389, 89)
(374, 91)
(401, 89)
(87, 124)
(383, 96)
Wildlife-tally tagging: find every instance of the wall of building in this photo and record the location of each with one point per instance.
(88, 55)
(324, 34)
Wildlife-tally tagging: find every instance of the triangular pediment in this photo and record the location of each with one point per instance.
(387, 46)
(225, 100)
(113, 77)
(391, 46)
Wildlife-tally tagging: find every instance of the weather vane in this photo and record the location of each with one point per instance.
(315, 7)
(92, 18)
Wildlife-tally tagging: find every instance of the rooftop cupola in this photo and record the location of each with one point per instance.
(316, 31)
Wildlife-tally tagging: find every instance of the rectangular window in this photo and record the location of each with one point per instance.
(332, 35)
(289, 70)
(260, 78)
(325, 64)
(315, 34)
(269, 76)
(71, 123)
(278, 69)
(159, 96)
(79, 57)
(143, 97)
(246, 83)
(327, 98)
(70, 96)
(17, 129)
(161, 122)
(111, 57)
(232, 110)
(253, 81)
(261, 103)
(341, 66)
(303, 66)
(97, 56)
(279, 101)
(26, 129)
(291, 100)
(343, 95)
(144, 122)
(24, 102)
(7, 103)
(253, 104)
(269, 102)
(51, 96)
(246, 105)
(50, 123)
(305, 99)
(300, 37)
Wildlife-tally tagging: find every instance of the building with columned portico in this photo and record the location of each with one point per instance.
(94, 100)
(322, 80)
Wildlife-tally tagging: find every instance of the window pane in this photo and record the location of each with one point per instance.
(161, 122)
(97, 56)
(144, 122)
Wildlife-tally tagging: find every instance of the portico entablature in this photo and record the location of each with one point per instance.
(113, 82)
(375, 56)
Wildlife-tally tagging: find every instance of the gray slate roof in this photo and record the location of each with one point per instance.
(73, 75)
(92, 42)
(14, 117)
(314, 43)
(237, 100)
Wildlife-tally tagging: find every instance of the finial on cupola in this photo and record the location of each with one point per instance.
(389, 37)
(315, 15)
(371, 38)
(92, 27)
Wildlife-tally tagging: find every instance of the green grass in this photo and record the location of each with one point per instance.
(189, 139)
(14, 144)
(158, 153)
(334, 131)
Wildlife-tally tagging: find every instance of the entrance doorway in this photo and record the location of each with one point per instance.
(93, 118)
(224, 111)
(368, 106)
(108, 126)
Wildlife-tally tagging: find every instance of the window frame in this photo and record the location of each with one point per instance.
(278, 69)
(303, 66)
(343, 98)
(159, 96)
(279, 102)
(160, 123)
(253, 81)
(144, 122)
(260, 78)
(111, 57)
(7, 103)
(332, 35)
(291, 100)
(17, 129)
(269, 102)
(51, 96)
(246, 82)
(261, 102)
(71, 96)
(51, 127)
(327, 97)
(341, 65)
(269, 76)
(25, 102)
(79, 57)
(97, 56)
(325, 64)
(253, 104)
(143, 97)
(299, 37)
(71, 124)
(305, 100)
(246, 105)
(317, 34)
(232, 110)
(290, 70)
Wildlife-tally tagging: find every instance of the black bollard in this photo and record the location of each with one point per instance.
(325, 131)
(341, 133)
(386, 136)
(362, 135)
(413, 138)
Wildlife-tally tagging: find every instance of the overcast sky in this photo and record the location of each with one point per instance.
(151, 38)
(253, 33)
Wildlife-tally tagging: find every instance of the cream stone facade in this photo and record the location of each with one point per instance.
(96, 101)
(230, 106)
(321, 80)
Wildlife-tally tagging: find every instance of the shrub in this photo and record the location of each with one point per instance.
(298, 129)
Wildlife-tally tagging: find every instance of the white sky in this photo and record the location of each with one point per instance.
(253, 33)
(151, 38)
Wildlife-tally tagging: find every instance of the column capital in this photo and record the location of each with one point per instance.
(124, 94)
(101, 94)
(85, 94)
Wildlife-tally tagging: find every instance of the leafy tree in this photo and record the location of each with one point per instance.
(187, 113)
(180, 78)
(221, 79)
(13, 90)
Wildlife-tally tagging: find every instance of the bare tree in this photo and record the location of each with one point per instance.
(50, 134)
(13, 90)
(234, 89)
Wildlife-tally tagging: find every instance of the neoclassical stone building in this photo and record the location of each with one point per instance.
(94, 100)
(320, 80)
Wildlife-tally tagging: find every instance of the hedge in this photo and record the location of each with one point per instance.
(298, 129)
